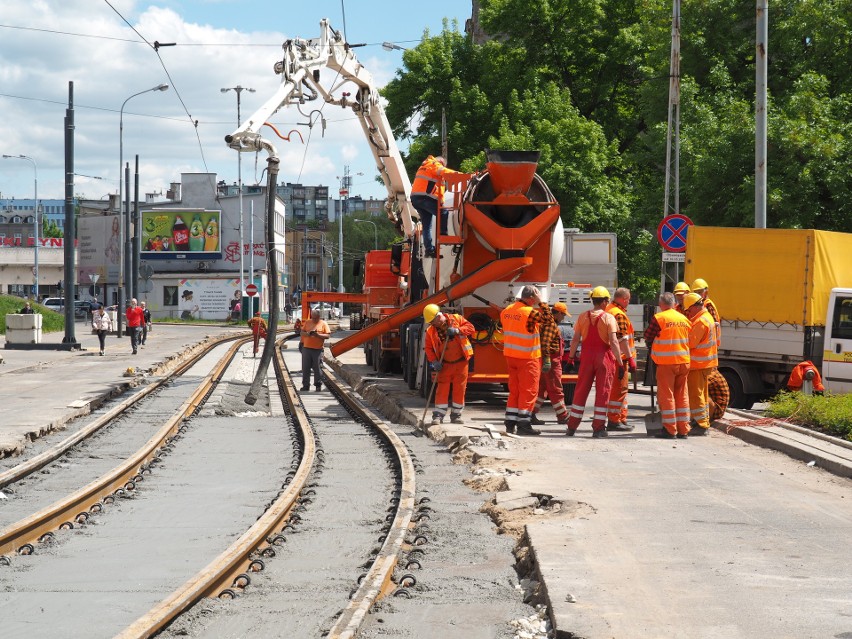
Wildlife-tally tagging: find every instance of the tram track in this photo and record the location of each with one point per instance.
(231, 572)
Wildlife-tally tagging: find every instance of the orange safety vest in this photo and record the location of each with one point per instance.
(434, 344)
(710, 307)
(428, 179)
(672, 345)
(615, 310)
(703, 352)
(517, 341)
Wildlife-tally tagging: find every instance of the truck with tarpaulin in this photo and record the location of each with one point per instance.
(784, 296)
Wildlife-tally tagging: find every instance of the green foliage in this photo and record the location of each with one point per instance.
(10, 304)
(587, 83)
(829, 413)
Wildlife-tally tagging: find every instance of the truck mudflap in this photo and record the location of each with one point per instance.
(487, 273)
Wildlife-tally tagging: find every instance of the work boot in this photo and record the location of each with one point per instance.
(305, 389)
(318, 387)
(600, 433)
(456, 419)
(664, 434)
(682, 435)
(510, 427)
(562, 419)
(698, 431)
(436, 419)
(535, 420)
(619, 426)
(570, 431)
(524, 428)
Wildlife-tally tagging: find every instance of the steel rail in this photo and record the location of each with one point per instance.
(377, 582)
(16, 473)
(21, 535)
(226, 571)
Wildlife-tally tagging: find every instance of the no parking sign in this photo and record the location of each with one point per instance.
(671, 232)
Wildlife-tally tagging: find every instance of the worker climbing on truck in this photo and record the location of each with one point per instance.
(448, 350)
(601, 362)
(702, 360)
(427, 196)
(617, 406)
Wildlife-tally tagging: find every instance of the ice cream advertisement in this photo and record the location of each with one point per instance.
(185, 234)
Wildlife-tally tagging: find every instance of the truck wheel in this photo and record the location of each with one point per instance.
(739, 399)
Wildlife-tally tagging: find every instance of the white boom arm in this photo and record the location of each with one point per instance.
(300, 70)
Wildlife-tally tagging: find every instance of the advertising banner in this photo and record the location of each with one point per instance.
(207, 298)
(186, 234)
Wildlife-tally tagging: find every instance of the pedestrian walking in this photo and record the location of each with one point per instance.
(146, 322)
(522, 350)
(448, 351)
(427, 197)
(101, 324)
(595, 330)
(552, 350)
(135, 319)
(667, 337)
(617, 406)
(314, 333)
(258, 329)
(702, 360)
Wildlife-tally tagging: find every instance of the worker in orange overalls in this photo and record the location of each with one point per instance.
(552, 350)
(702, 360)
(805, 372)
(258, 329)
(617, 406)
(702, 288)
(667, 336)
(448, 350)
(522, 350)
(427, 196)
(680, 289)
(596, 330)
(313, 335)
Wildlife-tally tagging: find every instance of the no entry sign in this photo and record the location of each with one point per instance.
(671, 232)
(251, 290)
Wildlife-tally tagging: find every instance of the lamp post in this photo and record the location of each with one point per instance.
(238, 90)
(124, 229)
(345, 185)
(36, 231)
(375, 232)
(390, 46)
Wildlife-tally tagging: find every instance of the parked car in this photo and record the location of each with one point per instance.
(56, 304)
(327, 311)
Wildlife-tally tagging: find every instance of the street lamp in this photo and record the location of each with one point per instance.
(375, 232)
(124, 229)
(390, 46)
(238, 90)
(35, 210)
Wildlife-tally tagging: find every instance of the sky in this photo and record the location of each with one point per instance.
(45, 44)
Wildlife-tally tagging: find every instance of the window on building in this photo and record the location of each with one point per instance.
(312, 264)
(311, 246)
(311, 282)
(170, 296)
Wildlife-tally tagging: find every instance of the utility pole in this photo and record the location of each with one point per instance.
(761, 53)
(344, 199)
(673, 136)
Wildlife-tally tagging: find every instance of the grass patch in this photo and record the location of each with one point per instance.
(829, 413)
(10, 304)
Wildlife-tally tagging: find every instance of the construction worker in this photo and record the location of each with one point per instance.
(448, 350)
(427, 196)
(617, 406)
(719, 394)
(702, 360)
(702, 288)
(314, 333)
(522, 350)
(596, 329)
(680, 289)
(258, 329)
(552, 349)
(667, 337)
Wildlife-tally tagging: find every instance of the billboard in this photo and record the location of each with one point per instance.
(206, 298)
(181, 234)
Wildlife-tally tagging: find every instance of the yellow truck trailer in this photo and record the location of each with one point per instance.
(784, 296)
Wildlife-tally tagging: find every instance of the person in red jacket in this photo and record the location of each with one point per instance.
(448, 351)
(135, 317)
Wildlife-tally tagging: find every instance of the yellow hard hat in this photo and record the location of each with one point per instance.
(430, 312)
(681, 288)
(599, 292)
(690, 299)
(699, 285)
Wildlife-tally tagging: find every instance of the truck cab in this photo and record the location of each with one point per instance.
(837, 349)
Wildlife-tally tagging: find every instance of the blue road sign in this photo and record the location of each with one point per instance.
(671, 232)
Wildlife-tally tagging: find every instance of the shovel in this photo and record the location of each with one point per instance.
(422, 422)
